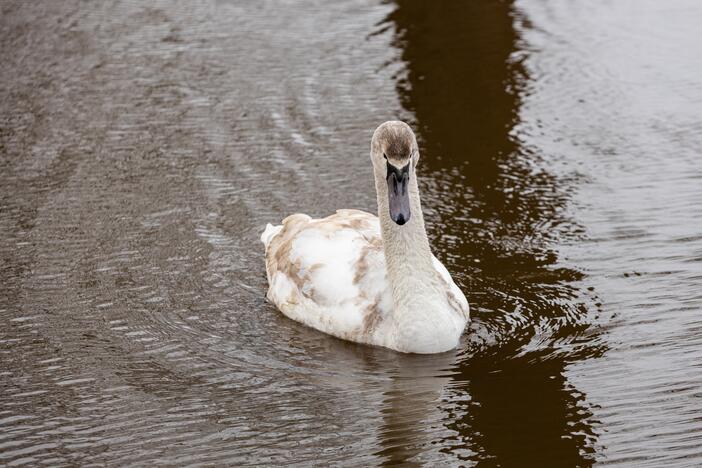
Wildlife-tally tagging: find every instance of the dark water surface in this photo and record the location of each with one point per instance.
(143, 149)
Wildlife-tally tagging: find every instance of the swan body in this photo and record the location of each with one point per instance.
(369, 279)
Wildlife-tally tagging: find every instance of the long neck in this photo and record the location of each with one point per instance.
(407, 252)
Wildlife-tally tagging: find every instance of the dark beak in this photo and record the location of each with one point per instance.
(398, 193)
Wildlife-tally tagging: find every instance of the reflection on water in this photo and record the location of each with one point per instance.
(497, 208)
(523, 412)
(411, 411)
(497, 213)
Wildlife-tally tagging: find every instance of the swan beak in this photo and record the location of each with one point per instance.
(398, 193)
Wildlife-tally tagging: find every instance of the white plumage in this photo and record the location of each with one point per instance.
(334, 275)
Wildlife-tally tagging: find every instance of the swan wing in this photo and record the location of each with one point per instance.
(330, 273)
(455, 297)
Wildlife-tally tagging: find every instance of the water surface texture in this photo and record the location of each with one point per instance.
(143, 147)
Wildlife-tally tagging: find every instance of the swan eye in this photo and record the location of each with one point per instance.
(385, 156)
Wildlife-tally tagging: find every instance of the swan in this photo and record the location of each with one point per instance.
(368, 279)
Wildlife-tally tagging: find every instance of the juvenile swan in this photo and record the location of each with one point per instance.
(369, 279)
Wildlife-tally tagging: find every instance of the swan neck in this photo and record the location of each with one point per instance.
(407, 251)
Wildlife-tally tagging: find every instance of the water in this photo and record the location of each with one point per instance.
(143, 149)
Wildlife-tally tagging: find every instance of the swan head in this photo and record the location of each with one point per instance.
(394, 154)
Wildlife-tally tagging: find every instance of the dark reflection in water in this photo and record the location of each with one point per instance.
(495, 214)
(523, 412)
(495, 205)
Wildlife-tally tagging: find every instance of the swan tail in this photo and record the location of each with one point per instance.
(269, 233)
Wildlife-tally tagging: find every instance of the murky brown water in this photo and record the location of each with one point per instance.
(143, 149)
